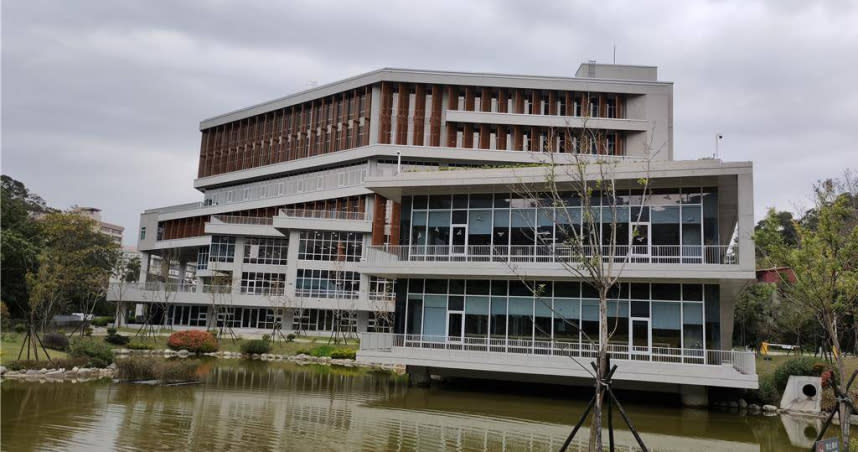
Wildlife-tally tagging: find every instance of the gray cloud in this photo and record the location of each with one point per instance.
(102, 100)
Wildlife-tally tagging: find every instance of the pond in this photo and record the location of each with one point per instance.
(250, 406)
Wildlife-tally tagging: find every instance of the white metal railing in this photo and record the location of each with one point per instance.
(382, 296)
(655, 254)
(323, 214)
(742, 361)
(327, 293)
(167, 287)
(236, 219)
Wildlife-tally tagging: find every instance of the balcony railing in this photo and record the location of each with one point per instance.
(742, 361)
(656, 254)
(382, 296)
(236, 219)
(323, 214)
(328, 293)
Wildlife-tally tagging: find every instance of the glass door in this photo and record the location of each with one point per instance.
(455, 326)
(459, 240)
(639, 240)
(640, 339)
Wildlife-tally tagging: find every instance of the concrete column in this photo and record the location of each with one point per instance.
(237, 261)
(418, 376)
(694, 396)
(121, 310)
(362, 319)
(183, 267)
(144, 267)
(374, 109)
(292, 262)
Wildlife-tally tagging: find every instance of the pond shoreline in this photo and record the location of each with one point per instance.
(81, 374)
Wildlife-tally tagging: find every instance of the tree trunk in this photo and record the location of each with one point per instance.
(602, 371)
(845, 411)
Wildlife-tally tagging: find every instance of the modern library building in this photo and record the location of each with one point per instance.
(410, 209)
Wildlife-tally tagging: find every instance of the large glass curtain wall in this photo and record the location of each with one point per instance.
(649, 316)
(673, 226)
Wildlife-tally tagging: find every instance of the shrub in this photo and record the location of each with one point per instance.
(87, 331)
(111, 331)
(767, 394)
(117, 339)
(56, 341)
(194, 341)
(98, 354)
(322, 350)
(154, 369)
(801, 366)
(256, 346)
(343, 353)
(302, 351)
(266, 337)
(290, 337)
(102, 321)
(20, 328)
(137, 345)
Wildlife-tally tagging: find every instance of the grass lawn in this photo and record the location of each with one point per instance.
(10, 345)
(768, 366)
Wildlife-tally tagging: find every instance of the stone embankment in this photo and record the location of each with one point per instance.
(87, 374)
(74, 375)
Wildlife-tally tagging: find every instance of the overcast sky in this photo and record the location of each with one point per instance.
(101, 101)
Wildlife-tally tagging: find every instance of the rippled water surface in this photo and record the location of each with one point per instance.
(278, 406)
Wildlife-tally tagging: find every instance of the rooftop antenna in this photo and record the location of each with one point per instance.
(718, 138)
(615, 53)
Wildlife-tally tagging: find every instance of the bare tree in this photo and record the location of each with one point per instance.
(590, 247)
(162, 294)
(123, 275)
(382, 296)
(280, 304)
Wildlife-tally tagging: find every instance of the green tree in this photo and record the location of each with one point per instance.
(753, 314)
(20, 242)
(84, 257)
(825, 264)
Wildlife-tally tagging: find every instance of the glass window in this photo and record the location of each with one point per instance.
(498, 313)
(666, 325)
(713, 317)
(521, 318)
(440, 202)
(566, 318)
(692, 325)
(476, 316)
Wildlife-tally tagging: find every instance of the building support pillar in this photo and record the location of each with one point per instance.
(694, 396)
(418, 376)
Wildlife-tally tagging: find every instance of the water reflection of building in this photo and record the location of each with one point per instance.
(307, 409)
(280, 407)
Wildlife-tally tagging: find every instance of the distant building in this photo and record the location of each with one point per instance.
(113, 230)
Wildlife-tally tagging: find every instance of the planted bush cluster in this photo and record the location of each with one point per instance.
(152, 369)
(257, 346)
(56, 341)
(102, 321)
(137, 345)
(98, 354)
(194, 341)
(772, 386)
(116, 339)
(343, 354)
(802, 366)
